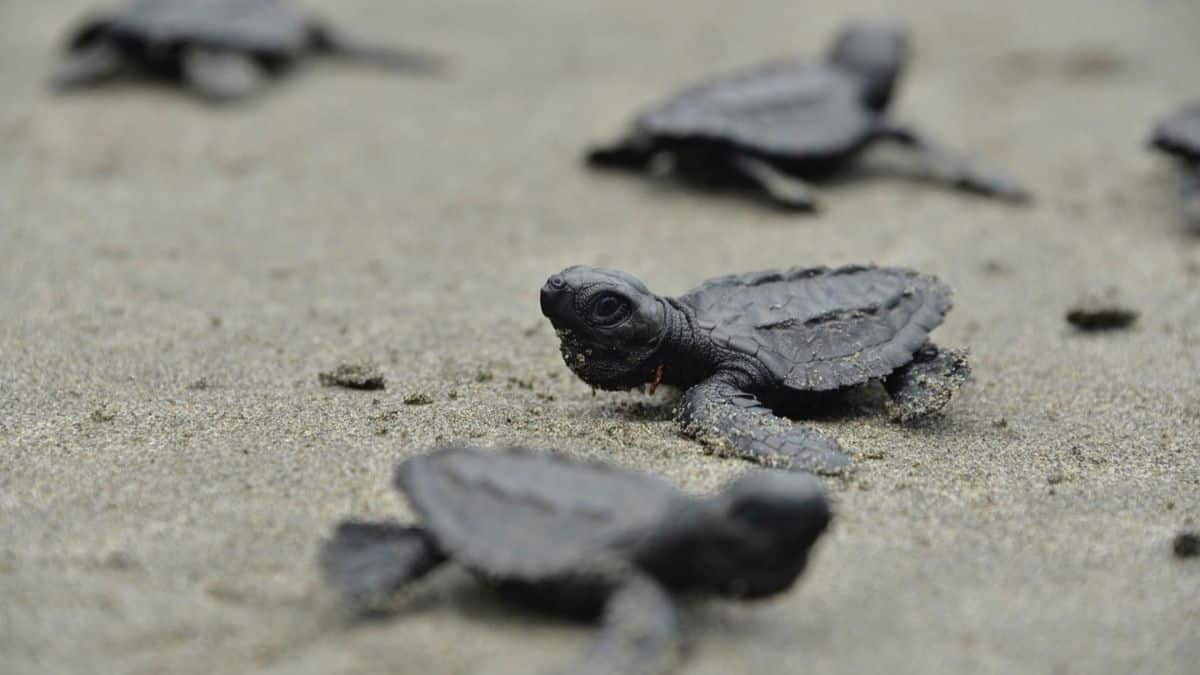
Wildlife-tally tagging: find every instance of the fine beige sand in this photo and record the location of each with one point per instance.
(173, 278)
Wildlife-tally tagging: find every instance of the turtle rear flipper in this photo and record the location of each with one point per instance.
(717, 412)
(368, 561)
(952, 167)
(926, 385)
(328, 39)
(639, 635)
(221, 75)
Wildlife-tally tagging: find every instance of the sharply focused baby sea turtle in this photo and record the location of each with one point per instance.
(223, 49)
(586, 540)
(778, 125)
(1179, 136)
(742, 344)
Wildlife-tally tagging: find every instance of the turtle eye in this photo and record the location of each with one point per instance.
(609, 309)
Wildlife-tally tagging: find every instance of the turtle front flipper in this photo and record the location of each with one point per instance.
(954, 168)
(1189, 191)
(639, 634)
(926, 385)
(785, 190)
(91, 62)
(717, 413)
(632, 153)
(221, 75)
(333, 41)
(368, 561)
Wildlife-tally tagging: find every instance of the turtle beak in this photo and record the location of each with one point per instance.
(554, 293)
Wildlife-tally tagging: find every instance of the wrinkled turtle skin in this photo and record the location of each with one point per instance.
(222, 49)
(1179, 136)
(741, 344)
(777, 126)
(587, 540)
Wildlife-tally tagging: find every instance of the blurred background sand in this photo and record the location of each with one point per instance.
(173, 277)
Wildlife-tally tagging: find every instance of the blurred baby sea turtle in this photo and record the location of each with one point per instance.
(585, 540)
(222, 49)
(1179, 136)
(776, 126)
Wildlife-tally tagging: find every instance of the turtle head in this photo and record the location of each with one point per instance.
(609, 324)
(776, 517)
(874, 51)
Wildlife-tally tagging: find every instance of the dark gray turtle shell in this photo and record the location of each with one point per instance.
(529, 516)
(787, 109)
(1179, 134)
(819, 329)
(267, 27)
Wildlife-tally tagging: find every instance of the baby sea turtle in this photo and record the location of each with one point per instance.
(780, 124)
(585, 540)
(1179, 136)
(223, 49)
(743, 344)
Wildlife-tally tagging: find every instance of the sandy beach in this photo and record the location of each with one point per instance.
(174, 276)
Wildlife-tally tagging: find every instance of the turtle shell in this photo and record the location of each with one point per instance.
(818, 329)
(788, 109)
(262, 26)
(1179, 134)
(526, 516)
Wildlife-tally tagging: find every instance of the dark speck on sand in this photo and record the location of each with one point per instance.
(1102, 312)
(354, 376)
(1187, 545)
